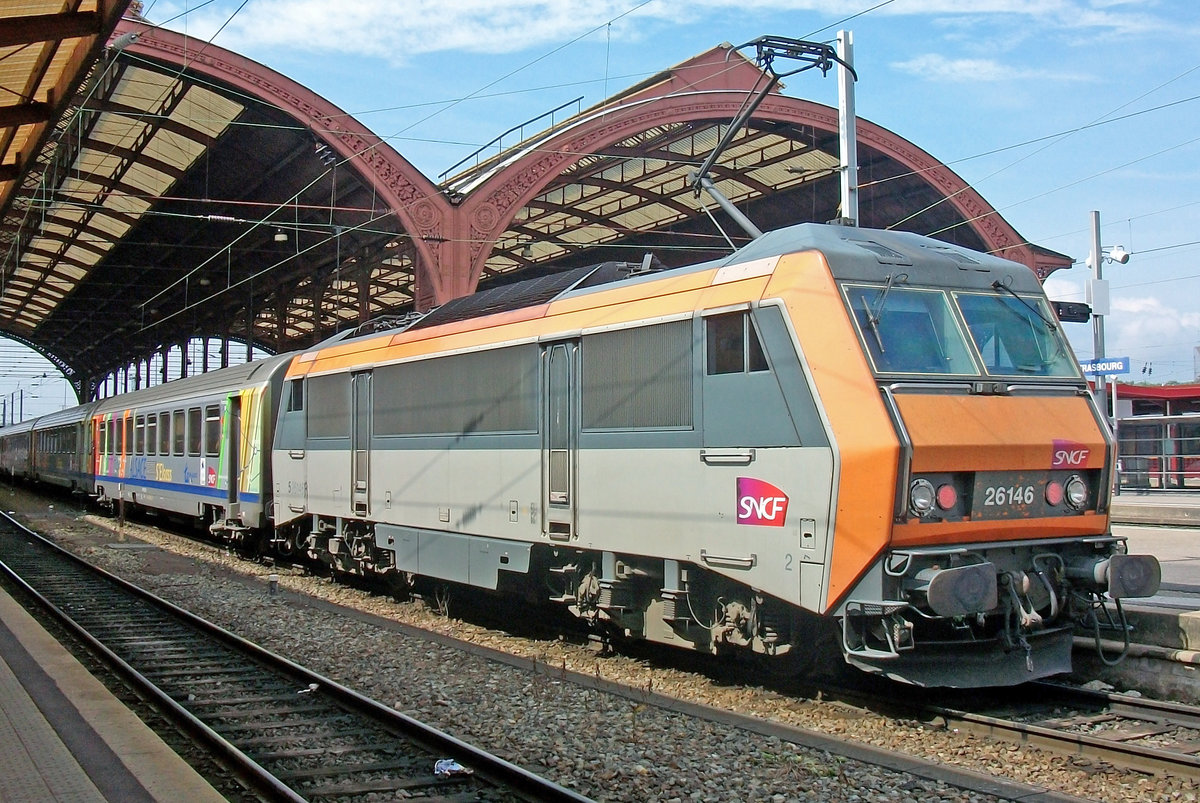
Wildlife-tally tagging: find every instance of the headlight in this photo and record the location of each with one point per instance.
(1077, 492)
(921, 497)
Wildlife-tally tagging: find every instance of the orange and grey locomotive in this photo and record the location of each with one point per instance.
(869, 435)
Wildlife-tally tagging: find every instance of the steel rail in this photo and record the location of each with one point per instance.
(1122, 752)
(492, 769)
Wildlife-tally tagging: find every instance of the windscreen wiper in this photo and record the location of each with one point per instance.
(874, 314)
(1051, 325)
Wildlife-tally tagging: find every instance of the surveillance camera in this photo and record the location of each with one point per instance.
(1119, 254)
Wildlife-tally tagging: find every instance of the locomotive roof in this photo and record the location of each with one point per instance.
(852, 253)
(873, 254)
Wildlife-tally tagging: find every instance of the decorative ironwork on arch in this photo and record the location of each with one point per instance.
(613, 181)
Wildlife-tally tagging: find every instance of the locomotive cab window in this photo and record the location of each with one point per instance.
(909, 331)
(733, 345)
(1016, 336)
(295, 396)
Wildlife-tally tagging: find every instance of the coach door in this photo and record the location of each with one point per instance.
(360, 442)
(559, 439)
(233, 447)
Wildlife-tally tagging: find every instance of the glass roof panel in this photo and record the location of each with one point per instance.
(110, 225)
(145, 90)
(118, 130)
(206, 111)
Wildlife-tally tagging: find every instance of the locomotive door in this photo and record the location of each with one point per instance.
(559, 440)
(360, 443)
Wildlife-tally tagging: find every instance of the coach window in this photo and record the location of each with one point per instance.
(139, 435)
(164, 434)
(733, 345)
(113, 447)
(151, 433)
(212, 430)
(127, 440)
(179, 433)
(195, 435)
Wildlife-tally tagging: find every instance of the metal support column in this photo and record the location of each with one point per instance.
(847, 129)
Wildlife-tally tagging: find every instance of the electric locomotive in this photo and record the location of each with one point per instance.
(869, 430)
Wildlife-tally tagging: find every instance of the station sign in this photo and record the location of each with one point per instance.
(1106, 366)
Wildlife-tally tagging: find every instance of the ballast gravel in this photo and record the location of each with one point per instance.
(604, 746)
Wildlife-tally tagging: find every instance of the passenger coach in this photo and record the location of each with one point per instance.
(198, 447)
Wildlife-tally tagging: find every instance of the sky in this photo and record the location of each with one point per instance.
(1049, 108)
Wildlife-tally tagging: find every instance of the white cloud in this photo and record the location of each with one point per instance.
(394, 31)
(941, 69)
(1150, 330)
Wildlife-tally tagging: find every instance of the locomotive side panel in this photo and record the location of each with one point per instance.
(652, 450)
(868, 447)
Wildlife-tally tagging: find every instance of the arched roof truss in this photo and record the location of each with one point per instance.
(614, 181)
(192, 192)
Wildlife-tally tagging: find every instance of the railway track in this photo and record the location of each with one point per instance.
(287, 733)
(1152, 736)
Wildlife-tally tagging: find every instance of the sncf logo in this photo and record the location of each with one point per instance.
(760, 503)
(1068, 454)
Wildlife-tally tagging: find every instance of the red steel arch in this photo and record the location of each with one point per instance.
(711, 86)
(413, 198)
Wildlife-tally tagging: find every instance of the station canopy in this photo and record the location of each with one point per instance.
(182, 191)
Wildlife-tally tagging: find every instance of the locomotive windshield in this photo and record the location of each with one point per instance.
(1015, 335)
(919, 331)
(910, 331)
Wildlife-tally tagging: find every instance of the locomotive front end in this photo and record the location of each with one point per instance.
(999, 544)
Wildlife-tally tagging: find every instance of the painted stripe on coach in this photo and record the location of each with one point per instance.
(175, 487)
